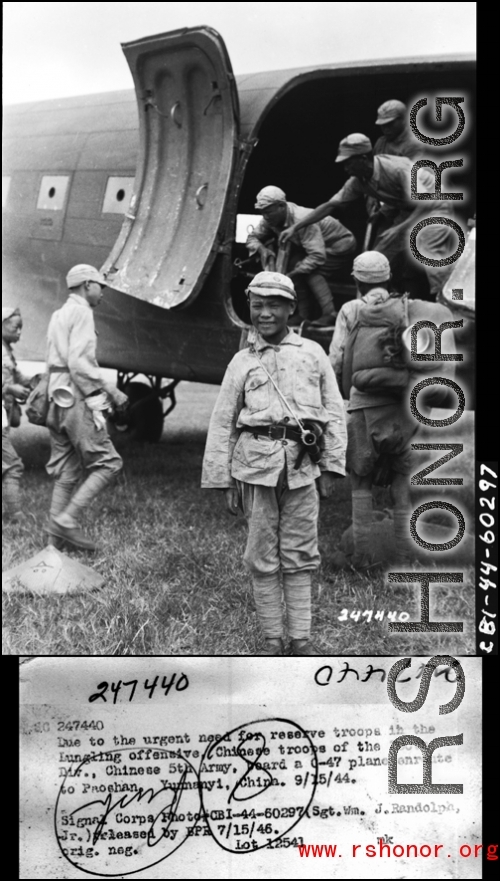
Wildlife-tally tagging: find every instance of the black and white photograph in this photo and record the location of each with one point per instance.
(239, 407)
(221, 241)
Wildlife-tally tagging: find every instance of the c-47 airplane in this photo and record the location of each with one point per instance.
(158, 187)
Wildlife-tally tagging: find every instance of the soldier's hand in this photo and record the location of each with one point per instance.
(266, 255)
(286, 235)
(120, 400)
(326, 482)
(19, 391)
(232, 500)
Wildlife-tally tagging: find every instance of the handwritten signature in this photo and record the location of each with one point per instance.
(245, 802)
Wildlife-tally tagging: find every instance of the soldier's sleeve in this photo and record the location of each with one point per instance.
(337, 346)
(6, 371)
(222, 431)
(21, 377)
(311, 239)
(260, 233)
(82, 362)
(349, 192)
(335, 433)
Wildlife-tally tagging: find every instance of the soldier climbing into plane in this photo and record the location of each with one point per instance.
(317, 256)
(387, 178)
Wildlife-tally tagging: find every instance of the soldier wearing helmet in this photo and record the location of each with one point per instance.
(276, 437)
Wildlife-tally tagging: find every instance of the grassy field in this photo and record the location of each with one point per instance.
(171, 559)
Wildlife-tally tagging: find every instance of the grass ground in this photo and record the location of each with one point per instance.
(171, 559)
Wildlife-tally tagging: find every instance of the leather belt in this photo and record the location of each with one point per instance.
(274, 432)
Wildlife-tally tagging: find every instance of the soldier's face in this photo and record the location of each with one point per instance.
(270, 316)
(95, 293)
(275, 214)
(393, 128)
(11, 329)
(359, 166)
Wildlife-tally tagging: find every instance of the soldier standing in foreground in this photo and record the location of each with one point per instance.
(79, 396)
(276, 433)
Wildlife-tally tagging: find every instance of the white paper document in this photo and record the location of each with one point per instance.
(246, 768)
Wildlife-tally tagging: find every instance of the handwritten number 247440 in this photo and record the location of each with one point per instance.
(115, 688)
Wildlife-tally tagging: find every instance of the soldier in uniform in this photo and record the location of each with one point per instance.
(378, 424)
(373, 368)
(396, 138)
(388, 179)
(277, 388)
(14, 389)
(320, 255)
(80, 445)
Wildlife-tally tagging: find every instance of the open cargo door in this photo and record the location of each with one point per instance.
(188, 122)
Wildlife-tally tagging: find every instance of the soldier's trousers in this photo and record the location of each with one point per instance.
(282, 527)
(78, 450)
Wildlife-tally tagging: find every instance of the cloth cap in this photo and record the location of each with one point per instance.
(353, 145)
(268, 196)
(371, 266)
(9, 311)
(272, 284)
(83, 272)
(390, 110)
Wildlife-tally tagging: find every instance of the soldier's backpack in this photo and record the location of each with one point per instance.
(376, 358)
(37, 404)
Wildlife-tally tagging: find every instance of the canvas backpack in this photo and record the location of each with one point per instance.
(375, 357)
(374, 360)
(37, 404)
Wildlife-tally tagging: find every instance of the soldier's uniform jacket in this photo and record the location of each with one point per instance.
(404, 144)
(71, 343)
(320, 240)
(10, 375)
(346, 319)
(390, 184)
(304, 375)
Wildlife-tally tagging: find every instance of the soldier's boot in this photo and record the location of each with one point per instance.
(304, 647)
(273, 647)
(61, 497)
(323, 296)
(402, 536)
(11, 496)
(65, 524)
(362, 506)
